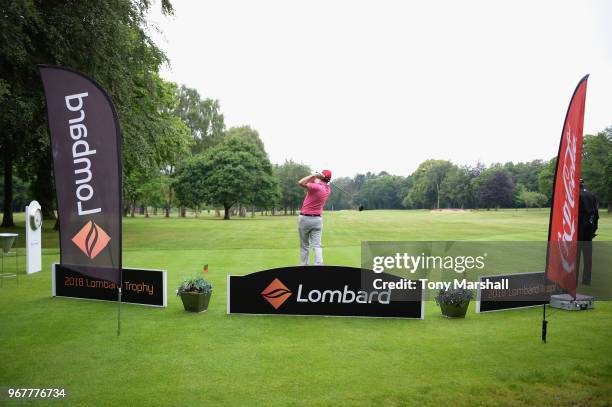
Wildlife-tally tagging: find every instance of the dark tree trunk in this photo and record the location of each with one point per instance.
(133, 206)
(7, 204)
(155, 211)
(42, 187)
(183, 211)
(169, 207)
(227, 211)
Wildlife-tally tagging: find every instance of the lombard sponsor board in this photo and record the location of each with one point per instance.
(521, 290)
(139, 286)
(324, 290)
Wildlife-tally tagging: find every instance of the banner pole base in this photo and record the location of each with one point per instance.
(544, 324)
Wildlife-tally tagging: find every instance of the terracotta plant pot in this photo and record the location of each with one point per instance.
(195, 302)
(454, 310)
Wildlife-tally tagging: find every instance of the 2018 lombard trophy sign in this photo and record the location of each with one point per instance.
(522, 290)
(324, 290)
(140, 286)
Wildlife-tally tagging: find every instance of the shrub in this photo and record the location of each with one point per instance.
(194, 285)
(456, 296)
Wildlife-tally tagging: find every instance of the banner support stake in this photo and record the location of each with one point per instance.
(119, 314)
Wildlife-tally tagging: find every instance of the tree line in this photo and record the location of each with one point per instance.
(177, 151)
(437, 184)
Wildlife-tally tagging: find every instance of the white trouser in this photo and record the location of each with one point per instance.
(310, 229)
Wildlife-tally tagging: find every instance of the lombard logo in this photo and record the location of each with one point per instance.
(91, 239)
(81, 155)
(276, 293)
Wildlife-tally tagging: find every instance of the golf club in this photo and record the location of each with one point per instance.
(361, 208)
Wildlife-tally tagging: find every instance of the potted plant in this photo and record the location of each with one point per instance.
(454, 303)
(195, 293)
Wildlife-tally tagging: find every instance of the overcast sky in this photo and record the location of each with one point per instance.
(358, 86)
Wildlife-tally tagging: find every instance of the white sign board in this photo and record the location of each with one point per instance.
(33, 238)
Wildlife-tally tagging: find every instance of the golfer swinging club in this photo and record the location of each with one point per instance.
(310, 222)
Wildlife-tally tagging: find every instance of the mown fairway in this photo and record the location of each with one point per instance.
(169, 357)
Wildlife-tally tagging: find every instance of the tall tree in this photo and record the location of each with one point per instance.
(231, 172)
(202, 116)
(496, 188)
(427, 183)
(383, 192)
(189, 181)
(246, 134)
(125, 63)
(161, 152)
(338, 200)
(526, 173)
(545, 178)
(151, 192)
(456, 189)
(288, 174)
(597, 166)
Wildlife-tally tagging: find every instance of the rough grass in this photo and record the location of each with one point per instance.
(169, 357)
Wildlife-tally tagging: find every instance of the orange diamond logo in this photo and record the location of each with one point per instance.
(276, 293)
(91, 239)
